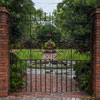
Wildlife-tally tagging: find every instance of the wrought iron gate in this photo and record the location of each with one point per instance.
(47, 64)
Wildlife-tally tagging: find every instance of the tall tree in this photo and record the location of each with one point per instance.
(20, 12)
(74, 19)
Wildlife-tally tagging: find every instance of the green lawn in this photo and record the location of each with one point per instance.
(71, 55)
(62, 54)
(29, 54)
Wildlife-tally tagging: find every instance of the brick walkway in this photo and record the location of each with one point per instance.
(50, 83)
(51, 56)
(49, 86)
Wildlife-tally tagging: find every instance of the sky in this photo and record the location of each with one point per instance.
(47, 5)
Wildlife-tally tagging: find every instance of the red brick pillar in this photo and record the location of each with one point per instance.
(96, 52)
(4, 51)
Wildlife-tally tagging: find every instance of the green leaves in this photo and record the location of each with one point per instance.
(74, 19)
(17, 69)
(83, 75)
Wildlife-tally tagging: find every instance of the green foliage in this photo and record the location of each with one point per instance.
(18, 46)
(54, 66)
(44, 30)
(50, 42)
(73, 20)
(21, 10)
(18, 9)
(83, 75)
(17, 70)
(68, 54)
(12, 46)
(29, 54)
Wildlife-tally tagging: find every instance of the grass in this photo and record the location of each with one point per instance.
(29, 54)
(71, 55)
(62, 54)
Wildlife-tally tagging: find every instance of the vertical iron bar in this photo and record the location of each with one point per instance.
(40, 76)
(71, 53)
(26, 74)
(57, 77)
(35, 75)
(76, 80)
(71, 68)
(21, 75)
(61, 76)
(16, 68)
(85, 73)
(66, 75)
(50, 74)
(30, 58)
(45, 78)
(30, 76)
(52, 77)
(79, 73)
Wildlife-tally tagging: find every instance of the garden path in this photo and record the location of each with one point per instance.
(33, 98)
(49, 56)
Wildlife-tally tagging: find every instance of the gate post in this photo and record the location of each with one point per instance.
(4, 52)
(96, 52)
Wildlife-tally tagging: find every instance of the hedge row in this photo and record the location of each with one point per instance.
(83, 75)
(17, 70)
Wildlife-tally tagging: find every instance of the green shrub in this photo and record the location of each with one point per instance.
(83, 75)
(17, 70)
(71, 54)
(12, 46)
(29, 54)
(13, 58)
(18, 46)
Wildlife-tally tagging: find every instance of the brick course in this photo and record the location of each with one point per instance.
(4, 52)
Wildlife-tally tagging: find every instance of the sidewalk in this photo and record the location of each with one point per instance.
(42, 99)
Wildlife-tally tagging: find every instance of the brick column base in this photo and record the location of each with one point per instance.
(4, 51)
(96, 52)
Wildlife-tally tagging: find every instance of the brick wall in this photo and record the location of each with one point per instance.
(4, 51)
(96, 52)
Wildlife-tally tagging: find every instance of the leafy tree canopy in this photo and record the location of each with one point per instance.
(46, 30)
(74, 21)
(71, 14)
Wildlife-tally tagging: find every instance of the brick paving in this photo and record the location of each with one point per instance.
(40, 85)
(49, 83)
(49, 56)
